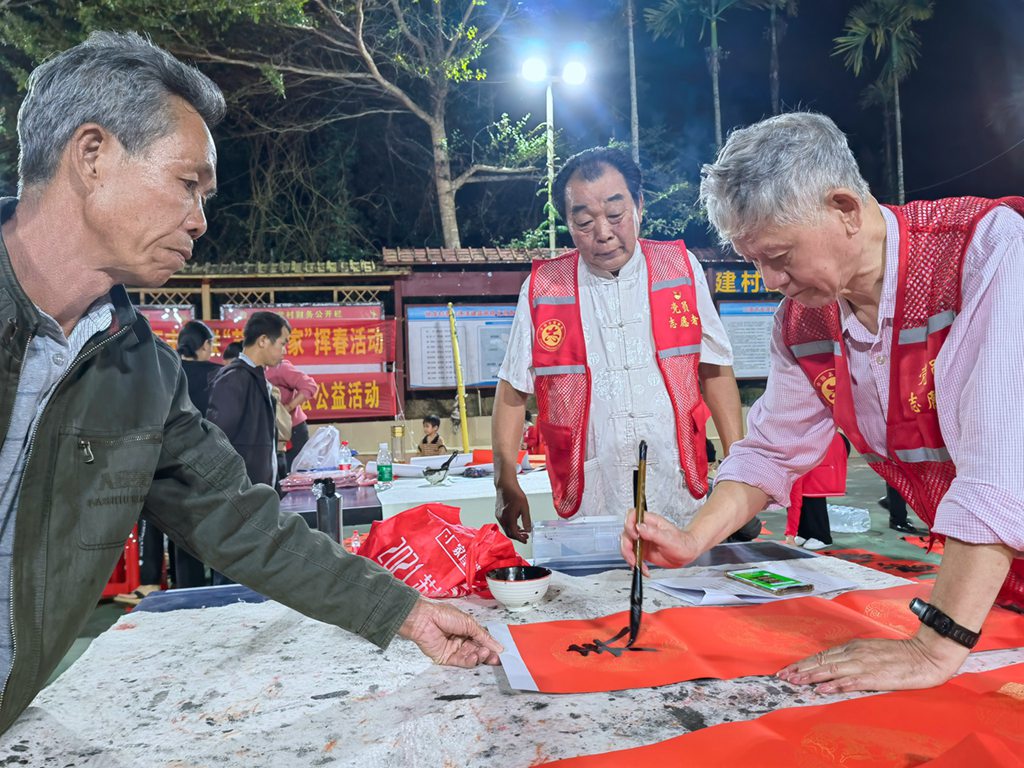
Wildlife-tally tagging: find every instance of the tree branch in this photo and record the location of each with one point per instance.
(499, 173)
(461, 29)
(407, 33)
(390, 88)
(484, 36)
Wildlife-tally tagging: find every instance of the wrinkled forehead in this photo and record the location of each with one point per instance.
(609, 188)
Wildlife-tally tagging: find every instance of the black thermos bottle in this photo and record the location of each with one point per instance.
(328, 510)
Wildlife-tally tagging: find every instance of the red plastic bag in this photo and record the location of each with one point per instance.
(428, 548)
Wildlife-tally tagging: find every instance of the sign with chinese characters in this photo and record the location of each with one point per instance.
(329, 342)
(352, 396)
(239, 313)
(483, 331)
(739, 281)
(345, 348)
(166, 322)
(749, 327)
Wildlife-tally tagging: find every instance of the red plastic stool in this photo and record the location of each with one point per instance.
(125, 577)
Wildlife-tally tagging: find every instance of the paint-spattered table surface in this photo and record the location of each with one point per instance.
(261, 685)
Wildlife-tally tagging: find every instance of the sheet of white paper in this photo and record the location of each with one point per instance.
(715, 588)
(519, 677)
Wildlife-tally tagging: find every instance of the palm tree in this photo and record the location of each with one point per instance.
(879, 93)
(670, 17)
(776, 29)
(886, 25)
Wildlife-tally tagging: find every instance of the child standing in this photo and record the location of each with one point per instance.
(431, 444)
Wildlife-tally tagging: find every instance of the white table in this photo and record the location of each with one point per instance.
(473, 495)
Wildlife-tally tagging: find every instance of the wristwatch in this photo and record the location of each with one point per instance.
(932, 617)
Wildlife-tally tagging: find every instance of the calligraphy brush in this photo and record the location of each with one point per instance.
(636, 592)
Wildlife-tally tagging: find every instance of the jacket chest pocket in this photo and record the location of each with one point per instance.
(111, 476)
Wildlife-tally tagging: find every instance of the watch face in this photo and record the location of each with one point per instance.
(943, 625)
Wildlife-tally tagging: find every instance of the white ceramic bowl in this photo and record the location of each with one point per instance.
(518, 587)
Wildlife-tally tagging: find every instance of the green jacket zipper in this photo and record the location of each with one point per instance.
(21, 483)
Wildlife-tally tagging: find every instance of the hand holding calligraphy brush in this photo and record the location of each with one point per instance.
(636, 592)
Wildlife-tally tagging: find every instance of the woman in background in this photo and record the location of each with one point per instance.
(195, 345)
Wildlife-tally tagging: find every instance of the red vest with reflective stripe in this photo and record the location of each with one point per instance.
(563, 377)
(934, 236)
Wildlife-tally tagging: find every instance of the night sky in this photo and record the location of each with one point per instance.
(963, 106)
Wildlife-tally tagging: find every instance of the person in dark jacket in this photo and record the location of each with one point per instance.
(116, 165)
(195, 345)
(241, 403)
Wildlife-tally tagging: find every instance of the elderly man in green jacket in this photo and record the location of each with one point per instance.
(96, 424)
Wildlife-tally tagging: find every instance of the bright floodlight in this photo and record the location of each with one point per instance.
(574, 73)
(535, 69)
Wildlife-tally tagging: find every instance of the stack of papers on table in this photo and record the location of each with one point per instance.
(715, 588)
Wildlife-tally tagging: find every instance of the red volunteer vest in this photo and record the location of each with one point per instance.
(829, 477)
(934, 236)
(563, 376)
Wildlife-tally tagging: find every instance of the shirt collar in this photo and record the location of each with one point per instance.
(890, 281)
(247, 360)
(98, 317)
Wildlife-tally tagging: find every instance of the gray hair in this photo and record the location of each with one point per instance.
(777, 172)
(119, 81)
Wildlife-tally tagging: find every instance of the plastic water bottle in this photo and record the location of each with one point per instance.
(346, 456)
(385, 469)
(843, 519)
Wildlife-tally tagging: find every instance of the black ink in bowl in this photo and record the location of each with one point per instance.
(519, 573)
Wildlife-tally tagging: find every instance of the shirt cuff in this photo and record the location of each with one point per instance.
(979, 513)
(747, 466)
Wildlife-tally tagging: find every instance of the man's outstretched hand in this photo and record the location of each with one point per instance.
(446, 635)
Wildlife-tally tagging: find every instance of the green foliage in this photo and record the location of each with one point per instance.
(671, 18)
(274, 78)
(670, 185)
(514, 143)
(538, 236)
(410, 58)
(885, 26)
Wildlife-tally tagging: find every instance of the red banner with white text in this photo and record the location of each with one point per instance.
(326, 342)
(341, 396)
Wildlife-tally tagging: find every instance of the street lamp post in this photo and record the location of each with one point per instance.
(550, 121)
(574, 73)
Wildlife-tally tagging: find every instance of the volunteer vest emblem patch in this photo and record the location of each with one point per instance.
(551, 334)
(825, 383)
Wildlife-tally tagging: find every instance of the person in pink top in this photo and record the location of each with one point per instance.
(902, 325)
(296, 388)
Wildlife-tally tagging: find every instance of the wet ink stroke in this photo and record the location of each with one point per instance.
(605, 646)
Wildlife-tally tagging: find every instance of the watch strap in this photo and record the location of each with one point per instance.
(942, 624)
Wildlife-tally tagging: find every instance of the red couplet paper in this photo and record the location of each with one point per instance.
(973, 721)
(725, 642)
